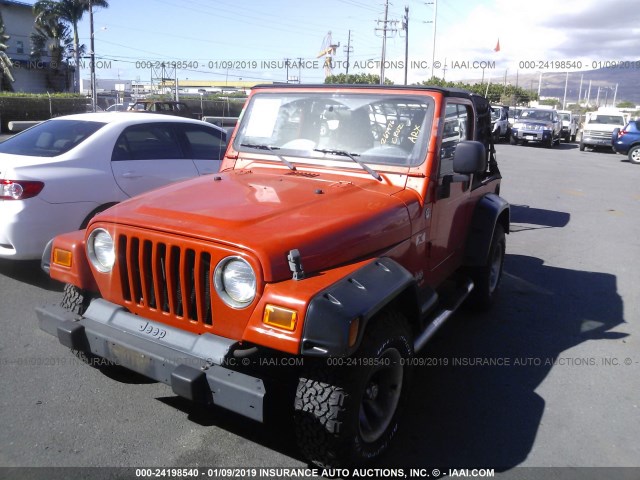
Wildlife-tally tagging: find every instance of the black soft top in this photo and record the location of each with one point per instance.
(446, 91)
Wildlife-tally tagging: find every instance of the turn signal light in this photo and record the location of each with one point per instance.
(62, 257)
(280, 317)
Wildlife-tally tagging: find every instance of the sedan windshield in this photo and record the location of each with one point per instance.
(375, 128)
(51, 138)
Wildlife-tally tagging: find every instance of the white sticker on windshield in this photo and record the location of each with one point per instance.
(264, 115)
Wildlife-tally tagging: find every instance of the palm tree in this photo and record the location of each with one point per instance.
(70, 12)
(5, 61)
(53, 35)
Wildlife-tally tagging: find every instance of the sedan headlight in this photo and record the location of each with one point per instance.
(235, 282)
(101, 250)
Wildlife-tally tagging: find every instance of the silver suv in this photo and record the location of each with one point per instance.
(537, 125)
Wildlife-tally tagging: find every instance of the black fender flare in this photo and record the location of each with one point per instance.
(490, 210)
(360, 296)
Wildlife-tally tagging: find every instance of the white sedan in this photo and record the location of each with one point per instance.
(58, 174)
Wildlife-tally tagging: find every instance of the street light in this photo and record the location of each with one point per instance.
(94, 94)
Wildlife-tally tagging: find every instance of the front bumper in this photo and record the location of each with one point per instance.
(620, 147)
(193, 365)
(531, 135)
(597, 141)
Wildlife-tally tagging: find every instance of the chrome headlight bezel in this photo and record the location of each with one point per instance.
(231, 294)
(101, 250)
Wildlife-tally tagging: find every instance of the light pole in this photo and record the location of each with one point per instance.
(94, 94)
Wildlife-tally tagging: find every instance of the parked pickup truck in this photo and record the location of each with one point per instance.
(346, 225)
(598, 128)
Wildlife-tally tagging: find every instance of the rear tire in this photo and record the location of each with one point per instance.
(634, 155)
(487, 278)
(347, 415)
(581, 146)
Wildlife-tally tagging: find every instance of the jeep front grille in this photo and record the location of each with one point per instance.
(160, 277)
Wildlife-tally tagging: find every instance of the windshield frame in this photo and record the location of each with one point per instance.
(319, 106)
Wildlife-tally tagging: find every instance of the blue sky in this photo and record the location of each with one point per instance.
(211, 35)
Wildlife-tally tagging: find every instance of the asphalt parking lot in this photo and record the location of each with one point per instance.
(549, 378)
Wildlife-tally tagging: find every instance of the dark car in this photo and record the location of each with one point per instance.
(537, 125)
(627, 141)
(166, 107)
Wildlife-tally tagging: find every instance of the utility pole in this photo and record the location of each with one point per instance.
(348, 49)
(566, 84)
(433, 50)
(176, 86)
(405, 27)
(300, 60)
(580, 91)
(94, 94)
(385, 28)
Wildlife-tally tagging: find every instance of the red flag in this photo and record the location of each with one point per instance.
(497, 49)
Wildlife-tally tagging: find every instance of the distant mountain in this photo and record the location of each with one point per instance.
(553, 84)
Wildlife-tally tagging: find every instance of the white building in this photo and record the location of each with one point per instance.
(30, 76)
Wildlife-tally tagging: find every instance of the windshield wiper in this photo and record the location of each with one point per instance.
(271, 148)
(352, 156)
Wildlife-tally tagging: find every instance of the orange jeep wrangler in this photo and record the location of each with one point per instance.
(347, 223)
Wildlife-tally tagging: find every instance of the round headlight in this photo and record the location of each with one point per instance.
(235, 282)
(101, 250)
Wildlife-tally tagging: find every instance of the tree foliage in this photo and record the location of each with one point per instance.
(5, 61)
(626, 104)
(356, 79)
(69, 13)
(496, 93)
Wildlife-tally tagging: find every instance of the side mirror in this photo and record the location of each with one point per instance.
(469, 157)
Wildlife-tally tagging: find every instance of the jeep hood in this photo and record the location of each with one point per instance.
(330, 220)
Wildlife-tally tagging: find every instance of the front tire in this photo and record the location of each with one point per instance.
(75, 299)
(347, 415)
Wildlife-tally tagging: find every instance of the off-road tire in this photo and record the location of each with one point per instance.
(486, 279)
(330, 429)
(634, 155)
(75, 299)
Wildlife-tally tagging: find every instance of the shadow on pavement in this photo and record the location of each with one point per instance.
(480, 409)
(536, 218)
(29, 271)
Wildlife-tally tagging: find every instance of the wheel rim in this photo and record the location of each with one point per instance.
(496, 267)
(635, 155)
(381, 396)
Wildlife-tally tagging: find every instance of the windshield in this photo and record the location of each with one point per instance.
(51, 138)
(537, 115)
(607, 119)
(565, 117)
(379, 129)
